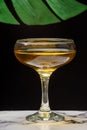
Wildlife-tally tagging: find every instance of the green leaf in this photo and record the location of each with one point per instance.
(66, 9)
(34, 12)
(5, 14)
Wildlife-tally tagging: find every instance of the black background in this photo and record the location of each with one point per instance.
(20, 86)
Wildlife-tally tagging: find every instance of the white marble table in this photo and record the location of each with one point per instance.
(15, 120)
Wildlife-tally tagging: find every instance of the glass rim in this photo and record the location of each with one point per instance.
(45, 40)
(42, 39)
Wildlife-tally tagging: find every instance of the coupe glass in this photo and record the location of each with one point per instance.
(45, 55)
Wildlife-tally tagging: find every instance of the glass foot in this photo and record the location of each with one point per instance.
(44, 117)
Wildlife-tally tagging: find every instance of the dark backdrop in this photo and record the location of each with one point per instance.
(20, 86)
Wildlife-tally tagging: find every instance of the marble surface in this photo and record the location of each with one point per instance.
(15, 120)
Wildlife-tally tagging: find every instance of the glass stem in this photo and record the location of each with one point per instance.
(45, 98)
